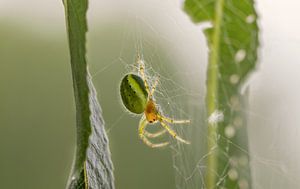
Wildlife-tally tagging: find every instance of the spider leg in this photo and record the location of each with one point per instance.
(169, 120)
(173, 133)
(142, 126)
(154, 135)
(142, 72)
(153, 87)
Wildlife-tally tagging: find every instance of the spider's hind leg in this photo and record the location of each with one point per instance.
(173, 133)
(142, 126)
(169, 120)
(154, 135)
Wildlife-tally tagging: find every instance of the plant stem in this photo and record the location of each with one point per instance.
(212, 97)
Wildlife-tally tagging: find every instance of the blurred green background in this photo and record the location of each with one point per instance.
(37, 117)
(37, 111)
(37, 134)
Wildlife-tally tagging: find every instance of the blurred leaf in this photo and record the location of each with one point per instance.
(233, 43)
(92, 166)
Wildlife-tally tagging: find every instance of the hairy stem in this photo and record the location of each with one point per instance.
(212, 96)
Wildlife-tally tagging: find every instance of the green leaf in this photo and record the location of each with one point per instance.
(92, 167)
(233, 43)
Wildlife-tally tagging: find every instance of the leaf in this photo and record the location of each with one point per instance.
(233, 43)
(92, 167)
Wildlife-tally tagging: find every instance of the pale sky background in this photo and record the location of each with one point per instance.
(274, 135)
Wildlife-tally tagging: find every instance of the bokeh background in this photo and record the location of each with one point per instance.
(37, 117)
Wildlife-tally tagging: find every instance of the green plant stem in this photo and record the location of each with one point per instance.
(212, 97)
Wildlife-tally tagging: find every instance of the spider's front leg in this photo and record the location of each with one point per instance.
(142, 72)
(153, 87)
(154, 135)
(142, 126)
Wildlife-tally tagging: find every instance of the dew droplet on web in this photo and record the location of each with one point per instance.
(250, 19)
(234, 79)
(240, 55)
(233, 174)
(229, 131)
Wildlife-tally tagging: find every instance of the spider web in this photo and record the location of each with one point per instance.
(175, 49)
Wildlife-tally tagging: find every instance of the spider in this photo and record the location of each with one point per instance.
(137, 97)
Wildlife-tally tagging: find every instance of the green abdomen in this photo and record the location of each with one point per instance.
(133, 93)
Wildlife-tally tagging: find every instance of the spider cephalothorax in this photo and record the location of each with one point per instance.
(151, 111)
(138, 98)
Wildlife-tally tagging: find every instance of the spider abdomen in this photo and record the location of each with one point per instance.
(133, 93)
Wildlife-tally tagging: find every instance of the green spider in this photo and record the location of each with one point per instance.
(138, 98)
